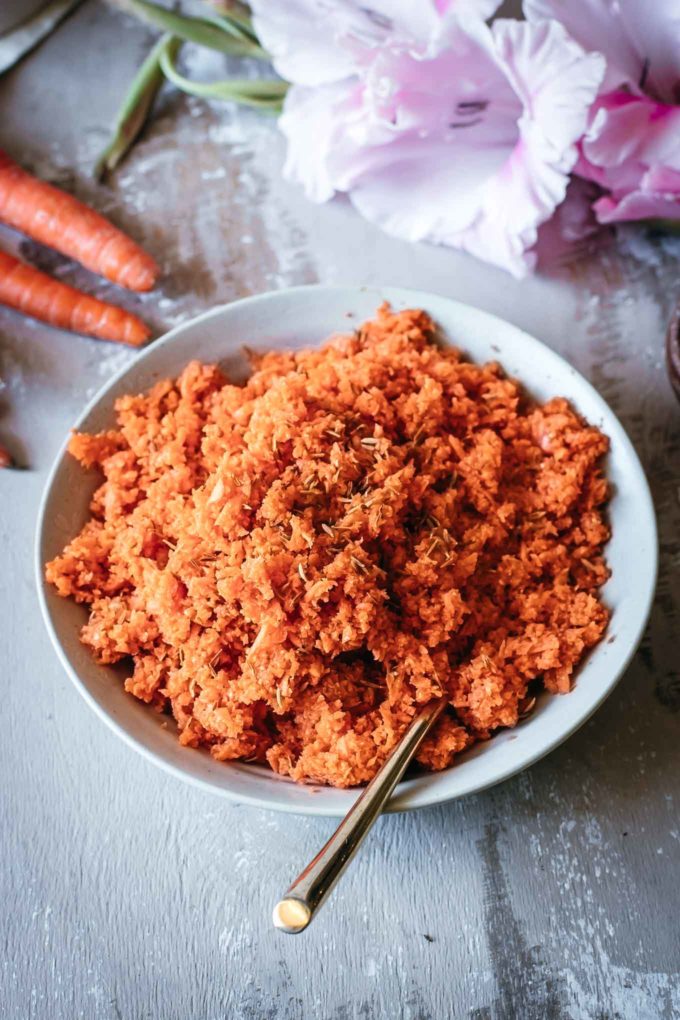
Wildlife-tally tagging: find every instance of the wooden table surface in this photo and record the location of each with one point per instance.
(127, 894)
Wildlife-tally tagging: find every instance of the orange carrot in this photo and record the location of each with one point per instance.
(60, 221)
(5, 458)
(28, 290)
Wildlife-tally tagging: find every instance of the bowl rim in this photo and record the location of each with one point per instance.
(401, 801)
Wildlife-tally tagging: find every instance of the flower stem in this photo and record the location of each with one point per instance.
(136, 106)
(264, 94)
(216, 33)
(235, 18)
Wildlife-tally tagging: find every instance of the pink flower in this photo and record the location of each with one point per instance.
(632, 149)
(438, 127)
(313, 42)
(632, 144)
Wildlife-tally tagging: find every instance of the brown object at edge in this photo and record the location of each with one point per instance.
(673, 351)
(60, 221)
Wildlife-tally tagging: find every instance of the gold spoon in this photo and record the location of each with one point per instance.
(294, 912)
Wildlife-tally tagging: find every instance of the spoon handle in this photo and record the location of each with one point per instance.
(295, 911)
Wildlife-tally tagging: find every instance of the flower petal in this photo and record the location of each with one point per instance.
(431, 133)
(423, 192)
(482, 8)
(303, 49)
(655, 31)
(406, 19)
(632, 148)
(640, 41)
(628, 135)
(311, 120)
(557, 82)
(614, 136)
(313, 42)
(644, 204)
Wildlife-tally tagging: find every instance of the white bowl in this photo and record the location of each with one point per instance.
(305, 316)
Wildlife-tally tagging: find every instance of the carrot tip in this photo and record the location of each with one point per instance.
(32, 292)
(6, 459)
(145, 283)
(72, 227)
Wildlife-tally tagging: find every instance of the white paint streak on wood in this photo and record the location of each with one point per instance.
(128, 895)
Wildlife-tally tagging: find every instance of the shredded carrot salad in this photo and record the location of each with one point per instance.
(295, 565)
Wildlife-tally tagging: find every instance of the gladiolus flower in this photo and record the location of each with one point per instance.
(437, 126)
(632, 144)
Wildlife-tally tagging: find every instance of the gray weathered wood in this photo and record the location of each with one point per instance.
(129, 895)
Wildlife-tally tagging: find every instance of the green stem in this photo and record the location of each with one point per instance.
(212, 33)
(136, 106)
(237, 26)
(264, 94)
